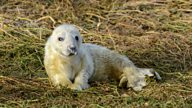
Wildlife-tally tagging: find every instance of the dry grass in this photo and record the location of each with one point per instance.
(152, 33)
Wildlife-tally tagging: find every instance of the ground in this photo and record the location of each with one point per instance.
(152, 33)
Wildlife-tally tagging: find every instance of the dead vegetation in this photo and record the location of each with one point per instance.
(152, 33)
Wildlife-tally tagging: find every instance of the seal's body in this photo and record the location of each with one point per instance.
(71, 63)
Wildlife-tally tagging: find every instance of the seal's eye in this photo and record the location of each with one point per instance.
(60, 38)
(76, 38)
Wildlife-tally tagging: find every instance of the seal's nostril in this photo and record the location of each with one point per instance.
(73, 48)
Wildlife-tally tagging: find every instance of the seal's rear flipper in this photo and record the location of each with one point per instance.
(150, 72)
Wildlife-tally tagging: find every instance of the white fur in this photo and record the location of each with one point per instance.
(91, 63)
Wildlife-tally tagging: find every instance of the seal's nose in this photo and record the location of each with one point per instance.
(72, 49)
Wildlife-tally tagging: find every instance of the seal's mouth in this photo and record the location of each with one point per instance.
(72, 54)
(69, 54)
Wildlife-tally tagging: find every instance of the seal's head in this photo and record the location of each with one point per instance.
(66, 40)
